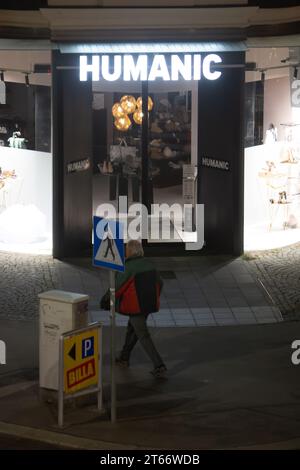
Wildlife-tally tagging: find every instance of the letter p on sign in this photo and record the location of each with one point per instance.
(87, 347)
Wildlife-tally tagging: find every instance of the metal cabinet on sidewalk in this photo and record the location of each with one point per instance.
(60, 311)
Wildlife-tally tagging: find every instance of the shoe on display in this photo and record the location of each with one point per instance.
(155, 128)
(164, 102)
(170, 126)
(175, 166)
(104, 168)
(155, 171)
(282, 198)
(155, 143)
(177, 126)
(168, 152)
(110, 168)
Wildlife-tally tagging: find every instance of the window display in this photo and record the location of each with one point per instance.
(282, 179)
(25, 201)
(17, 141)
(272, 169)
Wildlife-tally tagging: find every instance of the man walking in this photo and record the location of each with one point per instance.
(109, 240)
(138, 295)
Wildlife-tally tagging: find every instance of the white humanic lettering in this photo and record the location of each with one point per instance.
(181, 67)
(221, 164)
(159, 69)
(197, 67)
(135, 71)
(129, 67)
(94, 67)
(117, 68)
(207, 61)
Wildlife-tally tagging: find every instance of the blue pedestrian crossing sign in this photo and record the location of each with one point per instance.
(108, 249)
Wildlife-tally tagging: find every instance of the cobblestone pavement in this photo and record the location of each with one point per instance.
(198, 291)
(22, 278)
(279, 270)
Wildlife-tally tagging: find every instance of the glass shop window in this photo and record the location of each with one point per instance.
(272, 148)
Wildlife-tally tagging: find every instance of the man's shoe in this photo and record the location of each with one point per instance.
(159, 371)
(121, 362)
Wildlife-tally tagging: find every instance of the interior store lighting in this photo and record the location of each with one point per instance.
(129, 105)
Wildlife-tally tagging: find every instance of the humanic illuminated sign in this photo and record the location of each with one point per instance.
(143, 67)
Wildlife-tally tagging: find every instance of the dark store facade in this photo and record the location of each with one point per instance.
(217, 126)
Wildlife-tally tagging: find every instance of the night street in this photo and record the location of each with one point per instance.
(149, 232)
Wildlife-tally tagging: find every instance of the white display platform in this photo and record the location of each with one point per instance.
(26, 202)
(265, 223)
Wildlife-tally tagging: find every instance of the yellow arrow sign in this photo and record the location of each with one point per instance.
(81, 360)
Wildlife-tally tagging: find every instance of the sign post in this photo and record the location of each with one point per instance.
(112, 283)
(109, 253)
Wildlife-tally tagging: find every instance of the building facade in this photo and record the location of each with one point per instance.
(141, 96)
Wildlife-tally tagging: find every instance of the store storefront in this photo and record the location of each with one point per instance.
(133, 122)
(205, 114)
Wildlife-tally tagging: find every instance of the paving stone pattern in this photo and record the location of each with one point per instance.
(198, 291)
(279, 271)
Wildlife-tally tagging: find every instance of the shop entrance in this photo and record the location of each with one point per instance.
(138, 160)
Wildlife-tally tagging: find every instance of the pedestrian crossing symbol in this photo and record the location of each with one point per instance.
(108, 244)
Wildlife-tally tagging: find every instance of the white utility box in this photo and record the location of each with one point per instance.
(60, 312)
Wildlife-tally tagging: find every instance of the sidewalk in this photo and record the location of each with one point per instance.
(198, 291)
(230, 387)
(227, 387)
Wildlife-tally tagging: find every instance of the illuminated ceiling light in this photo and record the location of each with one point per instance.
(139, 103)
(117, 110)
(123, 123)
(138, 116)
(128, 104)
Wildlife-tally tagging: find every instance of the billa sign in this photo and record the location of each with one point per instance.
(81, 361)
(144, 67)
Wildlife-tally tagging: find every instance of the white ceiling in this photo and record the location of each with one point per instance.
(265, 58)
(16, 63)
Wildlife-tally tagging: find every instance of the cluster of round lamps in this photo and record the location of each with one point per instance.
(126, 106)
